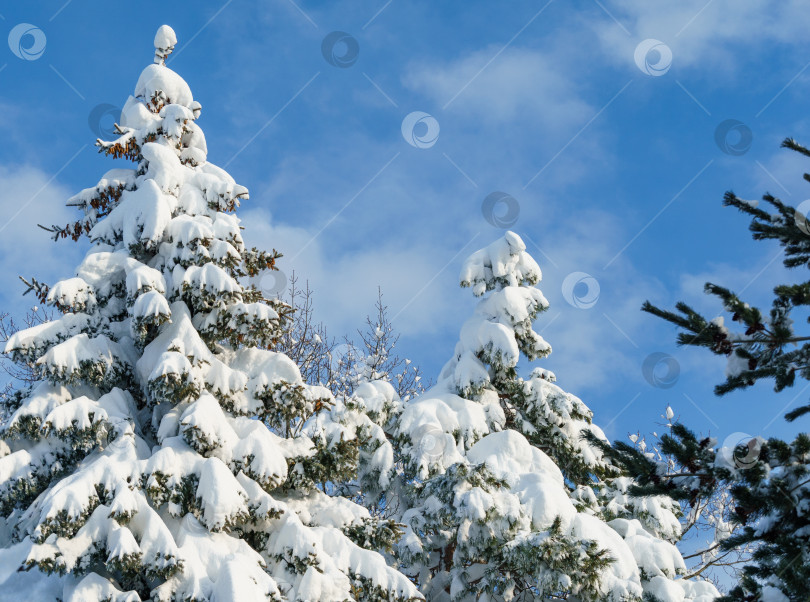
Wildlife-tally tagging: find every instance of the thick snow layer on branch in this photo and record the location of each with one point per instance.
(151, 304)
(210, 278)
(104, 270)
(205, 427)
(31, 342)
(81, 413)
(42, 399)
(159, 78)
(531, 474)
(508, 454)
(264, 367)
(164, 169)
(178, 335)
(96, 587)
(143, 279)
(657, 513)
(223, 381)
(492, 339)
(320, 510)
(697, 591)
(621, 578)
(222, 498)
(14, 464)
(654, 556)
(438, 428)
(503, 263)
(99, 353)
(136, 116)
(73, 293)
(220, 566)
(259, 453)
(185, 229)
(165, 38)
(379, 398)
(140, 218)
(338, 558)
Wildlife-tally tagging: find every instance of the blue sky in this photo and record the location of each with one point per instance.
(616, 172)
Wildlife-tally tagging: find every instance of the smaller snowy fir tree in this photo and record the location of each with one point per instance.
(501, 496)
(135, 467)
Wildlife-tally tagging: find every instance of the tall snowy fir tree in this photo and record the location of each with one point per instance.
(501, 496)
(135, 467)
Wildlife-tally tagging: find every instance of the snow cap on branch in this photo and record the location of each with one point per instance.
(165, 40)
(503, 263)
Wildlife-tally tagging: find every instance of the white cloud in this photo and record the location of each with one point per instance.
(28, 198)
(421, 296)
(781, 177)
(700, 33)
(417, 268)
(520, 83)
(598, 347)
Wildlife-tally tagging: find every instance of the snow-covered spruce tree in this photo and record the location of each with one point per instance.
(501, 497)
(135, 468)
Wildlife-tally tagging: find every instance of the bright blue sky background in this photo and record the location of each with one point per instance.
(630, 177)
